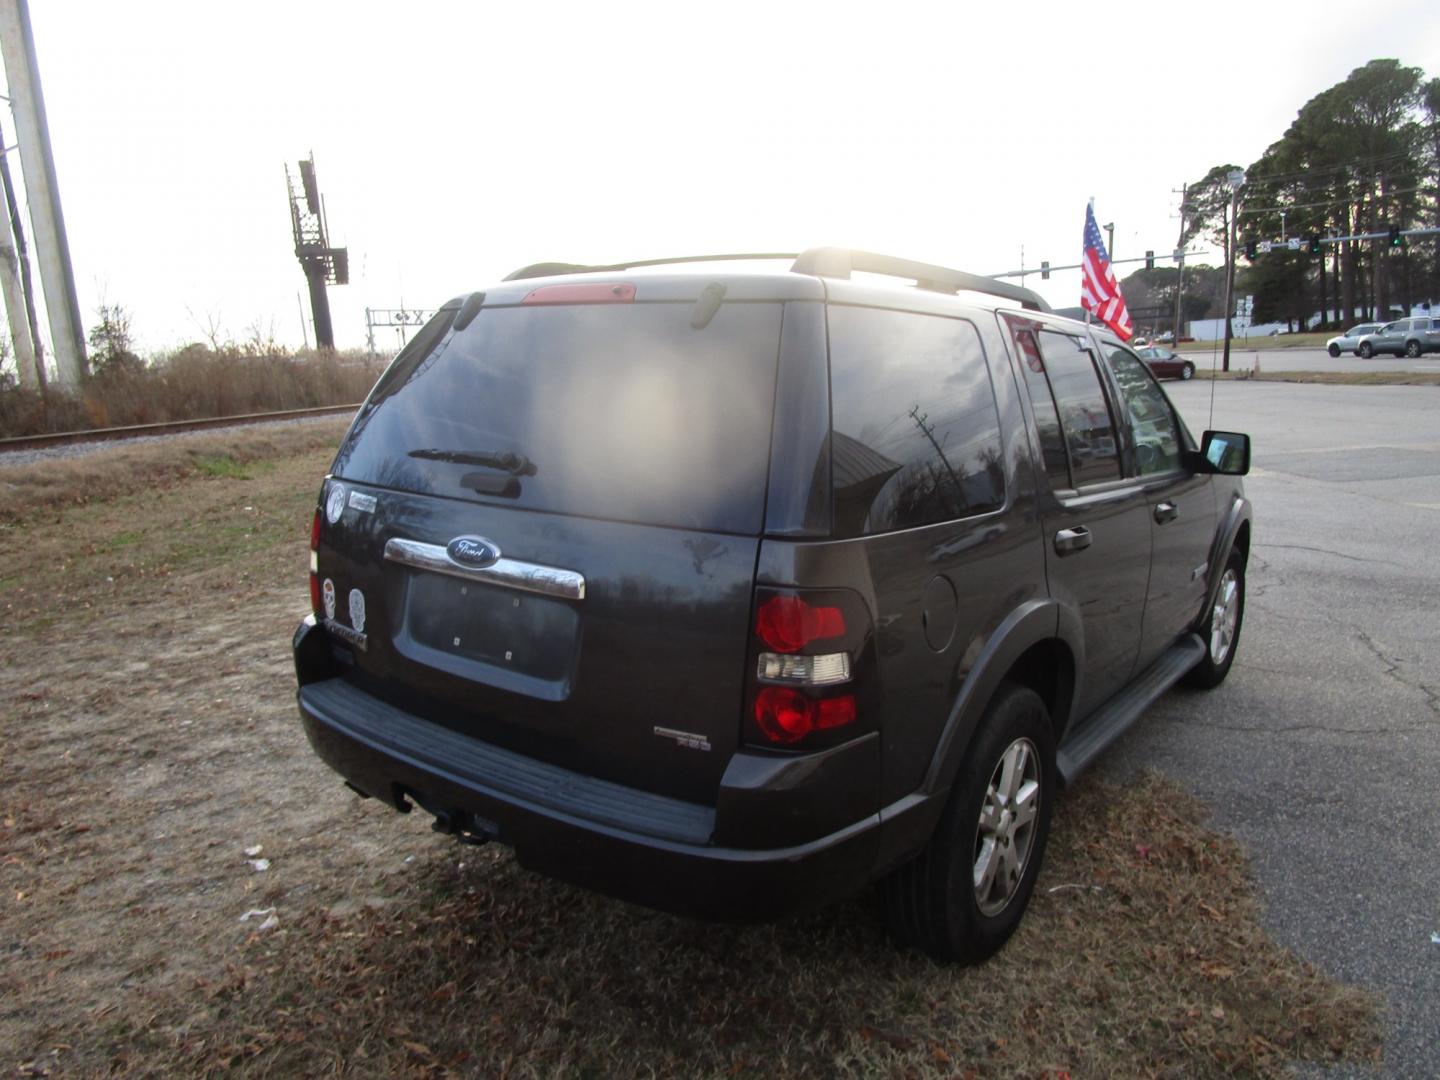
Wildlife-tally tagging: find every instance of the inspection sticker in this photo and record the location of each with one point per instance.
(362, 502)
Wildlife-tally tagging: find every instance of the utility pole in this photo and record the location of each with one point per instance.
(22, 257)
(15, 282)
(929, 430)
(1236, 179)
(15, 314)
(67, 333)
(1110, 240)
(1180, 266)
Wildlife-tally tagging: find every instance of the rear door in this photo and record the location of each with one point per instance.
(1096, 521)
(551, 521)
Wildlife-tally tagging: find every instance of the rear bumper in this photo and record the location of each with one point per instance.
(630, 844)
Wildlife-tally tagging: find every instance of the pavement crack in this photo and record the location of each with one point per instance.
(1368, 559)
(1392, 671)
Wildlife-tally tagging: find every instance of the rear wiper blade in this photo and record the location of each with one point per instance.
(506, 461)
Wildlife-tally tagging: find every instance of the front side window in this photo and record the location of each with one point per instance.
(1157, 441)
(1084, 411)
(916, 429)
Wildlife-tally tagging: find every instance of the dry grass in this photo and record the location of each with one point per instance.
(193, 383)
(1240, 372)
(1145, 960)
(1309, 340)
(126, 468)
(148, 734)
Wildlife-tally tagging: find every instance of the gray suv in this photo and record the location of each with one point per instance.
(1408, 337)
(732, 592)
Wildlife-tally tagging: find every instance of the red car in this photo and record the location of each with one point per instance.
(1166, 364)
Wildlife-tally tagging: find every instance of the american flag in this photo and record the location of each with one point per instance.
(1099, 291)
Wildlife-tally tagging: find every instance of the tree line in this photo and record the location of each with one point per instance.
(1361, 157)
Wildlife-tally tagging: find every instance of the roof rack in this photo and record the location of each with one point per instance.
(824, 262)
(841, 262)
(546, 269)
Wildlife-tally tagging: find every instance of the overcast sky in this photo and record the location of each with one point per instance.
(455, 142)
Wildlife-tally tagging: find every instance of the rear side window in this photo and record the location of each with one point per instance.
(620, 411)
(916, 432)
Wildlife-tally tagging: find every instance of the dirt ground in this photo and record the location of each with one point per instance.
(155, 788)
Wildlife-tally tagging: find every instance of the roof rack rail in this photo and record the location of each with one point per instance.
(546, 269)
(841, 262)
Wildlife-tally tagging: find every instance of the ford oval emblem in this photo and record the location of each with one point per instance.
(473, 551)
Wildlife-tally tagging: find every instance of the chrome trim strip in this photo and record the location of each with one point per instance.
(510, 573)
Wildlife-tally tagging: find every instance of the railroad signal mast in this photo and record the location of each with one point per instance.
(323, 264)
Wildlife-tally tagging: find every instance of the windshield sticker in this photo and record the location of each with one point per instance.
(357, 610)
(328, 592)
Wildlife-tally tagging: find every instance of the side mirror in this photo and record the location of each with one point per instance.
(1224, 452)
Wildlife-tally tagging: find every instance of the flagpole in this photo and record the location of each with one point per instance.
(1091, 207)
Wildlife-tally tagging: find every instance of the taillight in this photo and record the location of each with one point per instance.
(809, 649)
(315, 602)
(587, 292)
(787, 623)
(787, 716)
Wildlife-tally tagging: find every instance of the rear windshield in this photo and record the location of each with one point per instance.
(621, 411)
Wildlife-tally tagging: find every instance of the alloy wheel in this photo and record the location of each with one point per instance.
(1005, 833)
(1224, 616)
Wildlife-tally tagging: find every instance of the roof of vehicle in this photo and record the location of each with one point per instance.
(816, 274)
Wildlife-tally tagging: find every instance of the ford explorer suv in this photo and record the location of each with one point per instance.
(732, 590)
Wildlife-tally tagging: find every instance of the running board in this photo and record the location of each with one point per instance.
(1114, 718)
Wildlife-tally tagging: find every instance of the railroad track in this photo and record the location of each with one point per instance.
(66, 438)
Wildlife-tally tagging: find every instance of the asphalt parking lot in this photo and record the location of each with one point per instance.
(1242, 358)
(1321, 751)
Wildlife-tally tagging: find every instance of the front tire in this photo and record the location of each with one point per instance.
(1187, 372)
(1365, 350)
(1221, 629)
(1333, 350)
(963, 896)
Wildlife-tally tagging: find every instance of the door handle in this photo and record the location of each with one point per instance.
(1069, 541)
(1166, 511)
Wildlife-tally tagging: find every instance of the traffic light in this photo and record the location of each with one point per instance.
(1045, 271)
(1149, 260)
(1314, 243)
(1250, 249)
(1396, 240)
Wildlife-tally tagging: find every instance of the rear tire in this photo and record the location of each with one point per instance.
(963, 896)
(1187, 372)
(1333, 350)
(1412, 349)
(1221, 629)
(1365, 350)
